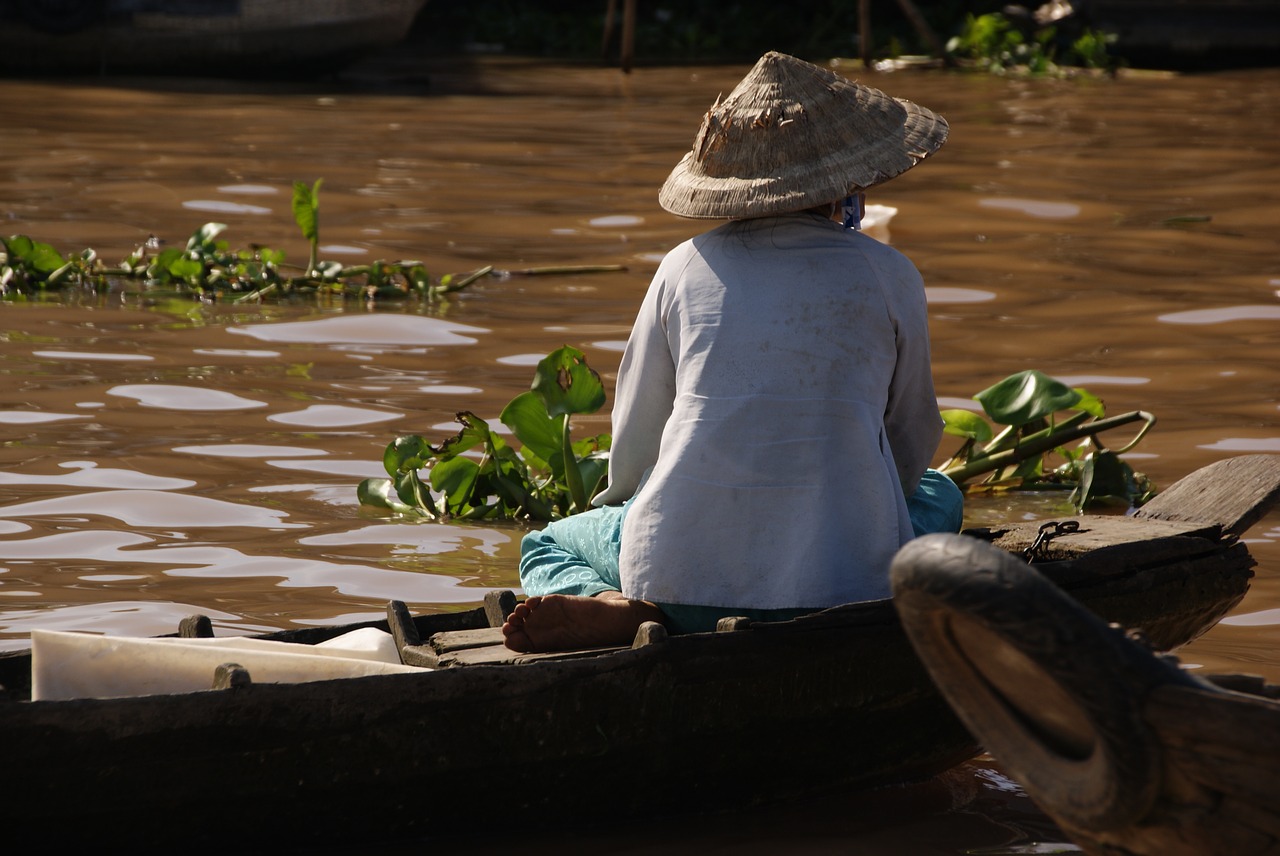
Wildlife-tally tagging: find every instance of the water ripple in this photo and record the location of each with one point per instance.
(153, 508)
(29, 417)
(371, 329)
(171, 397)
(1223, 314)
(89, 474)
(333, 416)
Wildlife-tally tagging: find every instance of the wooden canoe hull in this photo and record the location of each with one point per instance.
(687, 724)
(690, 723)
(758, 712)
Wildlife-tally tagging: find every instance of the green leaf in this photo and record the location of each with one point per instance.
(45, 258)
(413, 492)
(566, 384)
(456, 479)
(475, 432)
(185, 268)
(1025, 397)
(306, 208)
(1104, 479)
(966, 423)
(511, 482)
(39, 257)
(594, 470)
(167, 257)
(598, 444)
(379, 494)
(527, 417)
(18, 246)
(419, 277)
(1090, 404)
(406, 453)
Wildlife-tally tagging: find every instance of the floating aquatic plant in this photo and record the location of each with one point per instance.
(207, 267)
(477, 475)
(1041, 418)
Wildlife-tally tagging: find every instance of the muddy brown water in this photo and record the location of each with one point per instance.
(162, 457)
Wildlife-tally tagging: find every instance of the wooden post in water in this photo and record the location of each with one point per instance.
(864, 33)
(609, 11)
(628, 34)
(926, 32)
(628, 45)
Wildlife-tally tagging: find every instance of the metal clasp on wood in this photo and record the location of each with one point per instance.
(1046, 533)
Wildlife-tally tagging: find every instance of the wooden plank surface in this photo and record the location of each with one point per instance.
(1233, 493)
(1158, 540)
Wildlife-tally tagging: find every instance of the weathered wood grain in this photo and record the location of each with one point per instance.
(1233, 493)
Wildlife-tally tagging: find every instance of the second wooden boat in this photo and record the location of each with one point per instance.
(1130, 754)
(230, 38)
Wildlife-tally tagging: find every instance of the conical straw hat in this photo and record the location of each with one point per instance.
(791, 136)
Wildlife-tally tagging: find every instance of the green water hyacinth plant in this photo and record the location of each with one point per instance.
(1041, 417)
(477, 475)
(207, 268)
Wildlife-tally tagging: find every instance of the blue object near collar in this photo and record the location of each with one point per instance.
(851, 210)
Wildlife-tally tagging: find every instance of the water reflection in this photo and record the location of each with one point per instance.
(247, 450)
(333, 416)
(1102, 380)
(117, 618)
(957, 295)
(371, 329)
(172, 397)
(1245, 445)
(86, 355)
(28, 417)
(1222, 315)
(1035, 207)
(420, 539)
(90, 474)
(151, 507)
(218, 206)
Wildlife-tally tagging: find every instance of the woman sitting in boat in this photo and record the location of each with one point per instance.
(775, 413)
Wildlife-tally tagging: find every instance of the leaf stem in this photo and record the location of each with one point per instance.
(1043, 442)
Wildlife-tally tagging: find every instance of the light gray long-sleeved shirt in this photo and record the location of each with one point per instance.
(776, 390)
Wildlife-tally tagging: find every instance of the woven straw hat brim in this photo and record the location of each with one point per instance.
(791, 136)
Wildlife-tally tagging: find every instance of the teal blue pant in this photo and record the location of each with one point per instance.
(579, 555)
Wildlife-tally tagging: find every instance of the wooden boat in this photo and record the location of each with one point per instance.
(698, 722)
(1126, 751)
(212, 37)
(1188, 33)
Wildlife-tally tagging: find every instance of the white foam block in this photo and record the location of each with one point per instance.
(85, 665)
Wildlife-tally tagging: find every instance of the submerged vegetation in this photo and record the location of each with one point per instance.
(477, 475)
(208, 268)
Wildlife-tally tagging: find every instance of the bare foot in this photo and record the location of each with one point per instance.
(559, 622)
